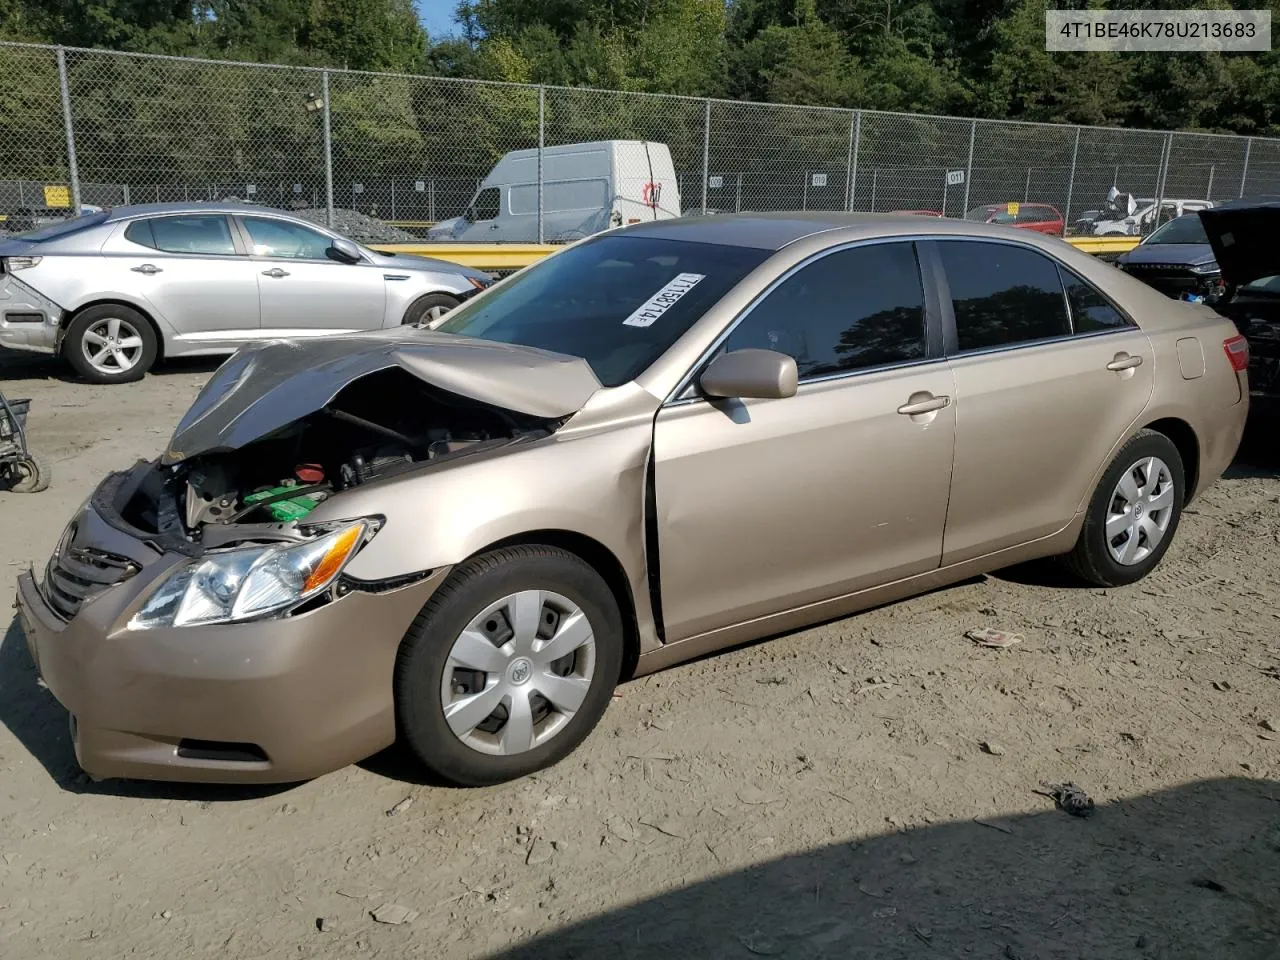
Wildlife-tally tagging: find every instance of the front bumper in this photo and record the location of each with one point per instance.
(272, 701)
(28, 321)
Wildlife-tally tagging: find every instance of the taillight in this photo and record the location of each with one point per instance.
(13, 264)
(1237, 350)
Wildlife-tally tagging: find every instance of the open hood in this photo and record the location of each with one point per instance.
(268, 386)
(1242, 234)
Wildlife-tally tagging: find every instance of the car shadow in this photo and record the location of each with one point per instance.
(35, 366)
(1189, 872)
(39, 723)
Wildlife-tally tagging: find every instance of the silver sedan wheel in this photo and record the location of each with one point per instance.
(112, 345)
(1141, 508)
(435, 314)
(518, 673)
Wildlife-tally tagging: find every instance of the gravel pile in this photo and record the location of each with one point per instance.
(349, 223)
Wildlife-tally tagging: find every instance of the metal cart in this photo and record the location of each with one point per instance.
(20, 472)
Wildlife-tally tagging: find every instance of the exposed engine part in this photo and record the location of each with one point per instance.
(378, 426)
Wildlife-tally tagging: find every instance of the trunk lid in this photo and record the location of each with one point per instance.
(1242, 235)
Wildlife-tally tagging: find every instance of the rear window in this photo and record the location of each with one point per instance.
(617, 301)
(64, 228)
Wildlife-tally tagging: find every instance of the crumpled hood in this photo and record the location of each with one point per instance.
(1182, 254)
(1242, 234)
(267, 386)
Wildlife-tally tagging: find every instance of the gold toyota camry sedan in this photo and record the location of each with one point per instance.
(659, 442)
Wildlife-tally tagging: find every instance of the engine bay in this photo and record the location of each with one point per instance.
(378, 426)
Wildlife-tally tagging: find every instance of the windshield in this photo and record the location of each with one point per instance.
(617, 301)
(63, 228)
(1184, 229)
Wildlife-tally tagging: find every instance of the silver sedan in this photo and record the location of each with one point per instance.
(114, 291)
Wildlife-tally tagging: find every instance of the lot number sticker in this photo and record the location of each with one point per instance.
(663, 300)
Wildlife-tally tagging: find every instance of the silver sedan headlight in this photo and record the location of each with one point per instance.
(251, 582)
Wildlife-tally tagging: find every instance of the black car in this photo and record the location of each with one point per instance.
(1242, 235)
(1177, 260)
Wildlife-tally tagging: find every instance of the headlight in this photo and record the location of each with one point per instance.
(250, 582)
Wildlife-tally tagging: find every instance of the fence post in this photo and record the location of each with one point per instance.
(1071, 184)
(1208, 191)
(328, 152)
(1026, 192)
(542, 136)
(968, 170)
(1160, 178)
(73, 167)
(851, 167)
(1244, 173)
(706, 153)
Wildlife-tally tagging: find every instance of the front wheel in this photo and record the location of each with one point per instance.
(509, 666)
(1133, 515)
(428, 310)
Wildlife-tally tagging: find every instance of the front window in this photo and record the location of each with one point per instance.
(618, 301)
(1188, 229)
(284, 239)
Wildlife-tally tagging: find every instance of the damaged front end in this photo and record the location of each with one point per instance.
(279, 430)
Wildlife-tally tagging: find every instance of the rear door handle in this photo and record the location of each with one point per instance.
(1124, 362)
(275, 272)
(147, 268)
(924, 406)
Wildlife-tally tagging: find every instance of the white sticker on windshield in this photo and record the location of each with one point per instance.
(663, 300)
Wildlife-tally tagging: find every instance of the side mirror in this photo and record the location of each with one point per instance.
(470, 215)
(750, 374)
(344, 251)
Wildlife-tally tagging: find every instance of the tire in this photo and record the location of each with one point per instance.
(498, 748)
(28, 476)
(85, 340)
(1094, 557)
(429, 308)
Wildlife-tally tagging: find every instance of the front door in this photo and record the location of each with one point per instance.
(1048, 377)
(301, 290)
(766, 505)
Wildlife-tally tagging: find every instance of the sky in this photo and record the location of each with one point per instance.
(437, 17)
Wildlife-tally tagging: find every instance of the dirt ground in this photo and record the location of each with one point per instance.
(862, 788)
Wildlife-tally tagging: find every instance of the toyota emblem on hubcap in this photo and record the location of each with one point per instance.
(520, 670)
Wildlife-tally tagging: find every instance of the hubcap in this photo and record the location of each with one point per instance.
(1140, 511)
(518, 673)
(112, 345)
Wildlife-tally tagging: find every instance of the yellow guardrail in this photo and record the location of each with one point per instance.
(1104, 245)
(513, 256)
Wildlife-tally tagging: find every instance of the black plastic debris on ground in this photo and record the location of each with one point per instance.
(1069, 797)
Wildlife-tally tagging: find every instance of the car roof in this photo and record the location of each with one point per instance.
(133, 211)
(773, 231)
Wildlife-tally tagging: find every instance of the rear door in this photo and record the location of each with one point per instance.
(192, 272)
(1049, 375)
(301, 291)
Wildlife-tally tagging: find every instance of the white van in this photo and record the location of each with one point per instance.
(586, 188)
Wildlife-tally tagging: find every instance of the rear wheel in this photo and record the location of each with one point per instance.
(110, 343)
(427, 310)
(509, 666)
(1133, 515)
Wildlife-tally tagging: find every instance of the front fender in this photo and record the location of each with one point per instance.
(591, 485)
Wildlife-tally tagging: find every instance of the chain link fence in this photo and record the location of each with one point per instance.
(382, 157)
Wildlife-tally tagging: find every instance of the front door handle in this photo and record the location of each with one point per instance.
(147, 268)
(275, 272)
(927, 405)
(493, 226)
(1124, 361)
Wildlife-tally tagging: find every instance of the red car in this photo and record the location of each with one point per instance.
(1040, 217)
